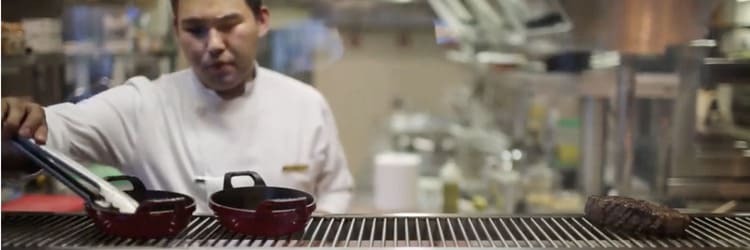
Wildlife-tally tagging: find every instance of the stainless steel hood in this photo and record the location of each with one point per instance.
(632, 27)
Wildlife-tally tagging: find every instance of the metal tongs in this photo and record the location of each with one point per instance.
(78, 178)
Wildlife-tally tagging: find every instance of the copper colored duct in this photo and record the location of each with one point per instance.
(638, 27)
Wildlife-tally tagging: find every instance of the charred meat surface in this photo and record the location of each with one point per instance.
(636, 216)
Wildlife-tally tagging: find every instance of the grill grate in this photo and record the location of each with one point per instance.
(38, 230)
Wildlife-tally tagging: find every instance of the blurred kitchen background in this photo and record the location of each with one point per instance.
(455, 106)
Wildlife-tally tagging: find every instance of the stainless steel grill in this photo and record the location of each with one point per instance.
(34, 230)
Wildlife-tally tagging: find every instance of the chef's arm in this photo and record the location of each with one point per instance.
(100, 129)
(335, 188)
(84, 130)
(335, 182)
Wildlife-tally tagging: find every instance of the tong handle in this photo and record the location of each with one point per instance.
(32, 150)
(64, 168)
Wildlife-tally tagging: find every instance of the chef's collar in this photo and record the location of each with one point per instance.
(250, 85)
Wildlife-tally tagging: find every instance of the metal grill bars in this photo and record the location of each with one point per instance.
(76, 231)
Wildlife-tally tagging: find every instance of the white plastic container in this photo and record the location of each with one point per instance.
(395, 182)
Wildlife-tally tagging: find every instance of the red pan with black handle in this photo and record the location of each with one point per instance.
(261, 210)
(158, 213)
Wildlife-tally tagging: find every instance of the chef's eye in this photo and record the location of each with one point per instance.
(197, 31)
(228, 24)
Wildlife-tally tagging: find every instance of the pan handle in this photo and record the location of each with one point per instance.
(138, 188)
(256, 178)
(179, 204)
(299, 204)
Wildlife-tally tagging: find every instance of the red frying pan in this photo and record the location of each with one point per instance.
(158, 213)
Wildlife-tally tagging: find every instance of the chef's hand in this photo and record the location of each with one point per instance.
(23, 118)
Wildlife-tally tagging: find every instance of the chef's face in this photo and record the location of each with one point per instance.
(220, 39)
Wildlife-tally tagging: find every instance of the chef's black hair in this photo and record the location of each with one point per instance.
(253, 4)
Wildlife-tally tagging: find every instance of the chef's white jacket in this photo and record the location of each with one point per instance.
(175, 134)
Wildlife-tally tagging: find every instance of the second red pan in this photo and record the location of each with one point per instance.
(260, 210)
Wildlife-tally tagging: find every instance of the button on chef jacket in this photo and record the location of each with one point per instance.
(175, 134)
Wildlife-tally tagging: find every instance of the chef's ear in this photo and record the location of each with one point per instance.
(263, 19)
(173, 5)
(175, 20)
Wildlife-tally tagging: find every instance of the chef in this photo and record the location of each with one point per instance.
(183, 131)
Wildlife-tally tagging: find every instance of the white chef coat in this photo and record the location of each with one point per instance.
(175, 134)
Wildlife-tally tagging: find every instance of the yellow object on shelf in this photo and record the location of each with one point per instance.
(568, 137)
(480, 203)
(451, 177)
(451, 193)
(568, 154)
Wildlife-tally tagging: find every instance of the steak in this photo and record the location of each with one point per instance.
(635, 216)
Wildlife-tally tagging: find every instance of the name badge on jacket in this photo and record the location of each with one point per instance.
(295, 168)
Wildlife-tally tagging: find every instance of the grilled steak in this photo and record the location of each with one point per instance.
(637, 216)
